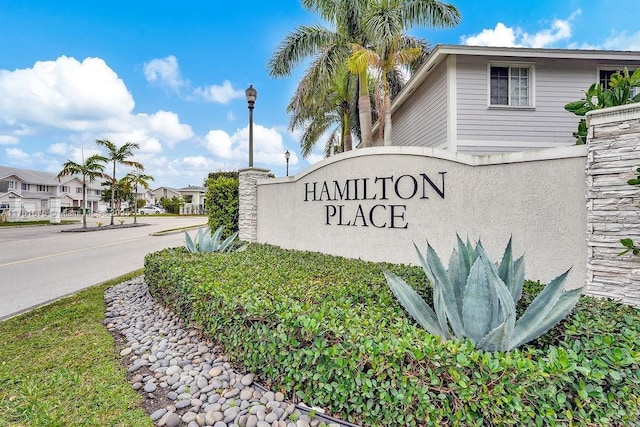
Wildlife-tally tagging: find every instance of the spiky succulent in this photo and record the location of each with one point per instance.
(476, 298)
(206, 242)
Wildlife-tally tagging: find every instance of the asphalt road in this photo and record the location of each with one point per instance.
(41, 264)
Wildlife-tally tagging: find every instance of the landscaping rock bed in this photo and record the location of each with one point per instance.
(183, 378)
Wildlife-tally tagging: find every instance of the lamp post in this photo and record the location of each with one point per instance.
(287, 154)
(251, 94)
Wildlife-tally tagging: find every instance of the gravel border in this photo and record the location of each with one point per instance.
(184, 379)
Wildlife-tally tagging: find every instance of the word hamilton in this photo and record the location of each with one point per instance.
(380, 215)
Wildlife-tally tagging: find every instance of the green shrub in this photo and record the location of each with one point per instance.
(328, 331)
(222, 203)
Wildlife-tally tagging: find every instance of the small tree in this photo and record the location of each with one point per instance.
(172, 205)
(91, 169)
(119, 155)
(134, 180)
(222, 204)
(619, 92)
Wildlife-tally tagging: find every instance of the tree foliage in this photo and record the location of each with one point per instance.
(222, 204)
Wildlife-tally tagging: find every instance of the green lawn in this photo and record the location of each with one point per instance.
(58, 367)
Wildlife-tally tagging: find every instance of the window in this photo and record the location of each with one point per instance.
(64, 188)
(11, 185)
(511, 85)
(25, 186)
(41, 187)
(78, 190)
(605, 77)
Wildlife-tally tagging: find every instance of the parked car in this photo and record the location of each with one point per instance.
(150, 210)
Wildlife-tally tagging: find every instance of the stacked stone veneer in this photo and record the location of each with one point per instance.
(612, 204)
(248, 203)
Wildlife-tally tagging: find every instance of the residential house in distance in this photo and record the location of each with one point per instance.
(193, 197)
(484, 100)
(32, 191)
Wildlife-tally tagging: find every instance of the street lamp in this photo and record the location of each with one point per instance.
(251, 94)
(287, 154)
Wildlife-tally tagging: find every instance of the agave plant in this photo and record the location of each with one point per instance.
(476, 298)
(206, 242)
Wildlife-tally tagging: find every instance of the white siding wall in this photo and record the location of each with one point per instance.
(483, 130)
(422, 119)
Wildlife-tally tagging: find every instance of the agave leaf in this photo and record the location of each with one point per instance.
(455, 275)
(496, 340)
(454, 313)
(512, 273)
(477, 310)
(225, 246)
(539, 309)
(504, 308)
(438, 301)
(441, 314)
(198, 239)
(414, 304)
(215, 238)
(545, 311)
(191, 247)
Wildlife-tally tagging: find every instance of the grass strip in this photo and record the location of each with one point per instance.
(58, 367)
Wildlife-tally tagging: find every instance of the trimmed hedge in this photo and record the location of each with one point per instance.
(328, 331)
(222, 203)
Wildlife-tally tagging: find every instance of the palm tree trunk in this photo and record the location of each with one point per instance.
(84, 203)
(387, 119)
(113, 190)
(347, 142)
(135, 204)
(364, 105)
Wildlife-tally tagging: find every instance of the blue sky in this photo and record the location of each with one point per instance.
(171, 75)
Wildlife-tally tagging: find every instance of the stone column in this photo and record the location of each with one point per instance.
(248, 200)
(54, 210)
(612, 205)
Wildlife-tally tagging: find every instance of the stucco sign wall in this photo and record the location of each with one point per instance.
(389, 192)
(374, 203)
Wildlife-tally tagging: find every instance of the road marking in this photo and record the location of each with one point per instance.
(73, 251)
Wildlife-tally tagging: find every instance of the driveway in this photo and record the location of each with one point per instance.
(42, 264)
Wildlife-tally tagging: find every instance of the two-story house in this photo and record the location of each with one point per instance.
(483, 100)
(33, 189)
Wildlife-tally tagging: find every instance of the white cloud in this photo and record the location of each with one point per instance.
(166, 73)
(623, 41)
(501, 35)
(560, 30)
(16, 154)
(8, 140)
(230, 116)
(219, 94)
(504, 36)
(268, 146)
(86, 98)
(65, 94)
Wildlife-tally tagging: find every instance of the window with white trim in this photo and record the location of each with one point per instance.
(605, 74)
(78, 190)
(511, 85)
(41, 188)
(64, 188)
(24, 186)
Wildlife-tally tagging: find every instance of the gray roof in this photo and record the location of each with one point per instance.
(38, 177)
(29, 176)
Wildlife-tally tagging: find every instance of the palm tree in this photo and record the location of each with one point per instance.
(91, 169)
(117, 155)
(137, 179)
(331, 49)
(352, 20)
(316, 113)
(385, 24)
